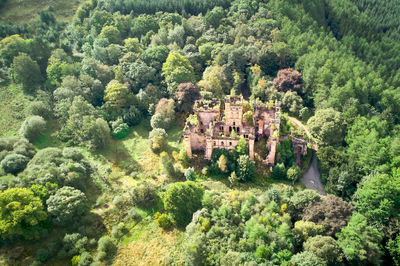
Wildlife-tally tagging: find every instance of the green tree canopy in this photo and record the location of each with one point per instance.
(182, 199)
(360, 241)
(20, 213)
(26, 72)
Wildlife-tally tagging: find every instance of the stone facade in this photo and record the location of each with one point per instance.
(216, 122)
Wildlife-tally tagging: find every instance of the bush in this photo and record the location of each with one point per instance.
(118, 231)
(134, 215)
(120, 129)
(14, 163)
(67, 205)
(39, 108)
(42, 255)
(182, 199)
(190, 174)
(106, 248)
(164, 220)
(132, 116)
(158, 121)
(158, 140)
(279, 171)
(85, 259)
(145, 195)
(73, 154)
(32, 127)
(246, 168)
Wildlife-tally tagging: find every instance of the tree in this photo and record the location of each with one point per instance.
(158, 140)
(324, 247)
(140, 75)
(332, 212)
(120, 129)
(307, 258)
(105, 248)
(133, 45)
(360, 242)
(245, 168)
(185, 95)
(26, 71)
(302, 199)
(10, 47)
(14, 163)
(241, 147)
(158, 121)
(393, 246)
(293, 173)
(144, 195)
(378, 197)
(117, 96)
(182, 199)
(110, 33)
(84, 127)
(155, 56)
(215, 82)
(326, 126)
(21, 213)
(132, 116)
(304, 230)
(288, 80)
(222, 163)
(67, 206)
(32, 127)
(213, 17)
(190, 174)
(177, 69)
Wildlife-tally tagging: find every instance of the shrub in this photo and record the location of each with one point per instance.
(132, 116)
(72, 153)
(158, 140)
(67, 205)
(164, 220)
(42, 255)
(39, 108)
(32, 127)
(106, 248)
(14, 163)
(120, 129)
(246, 168)
(158, 121)
(293, 173)
(190, 174)
(279, 171)
(182, 199)
(85, 259)
(144, 195)
(134, 215)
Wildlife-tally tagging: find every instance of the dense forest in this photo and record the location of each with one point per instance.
(93, 169)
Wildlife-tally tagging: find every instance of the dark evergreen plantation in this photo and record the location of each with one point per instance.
(92, 165)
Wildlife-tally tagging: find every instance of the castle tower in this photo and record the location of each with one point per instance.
(234, 112)
(251, 148)
(209, 148)
(188, 145)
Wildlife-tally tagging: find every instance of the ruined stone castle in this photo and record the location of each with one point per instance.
(215, 125)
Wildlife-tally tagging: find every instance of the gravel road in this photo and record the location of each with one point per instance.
(312, 177)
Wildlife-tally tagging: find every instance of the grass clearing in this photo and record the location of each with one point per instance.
(151, 245)
(12, 109)
(25, 11)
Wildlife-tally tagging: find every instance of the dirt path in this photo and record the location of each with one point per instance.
(300, 124)
(312, 177)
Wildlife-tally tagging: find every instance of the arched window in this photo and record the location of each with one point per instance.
(222, 143)
(230, 143)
